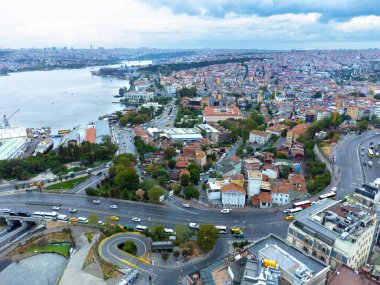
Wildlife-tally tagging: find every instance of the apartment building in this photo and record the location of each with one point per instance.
(233, 195)
(216, 114)
(335, 233)
(259, 137)
(254, 178)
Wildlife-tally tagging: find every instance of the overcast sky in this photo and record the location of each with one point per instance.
(263, 24)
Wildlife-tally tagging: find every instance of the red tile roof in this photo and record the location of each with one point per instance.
(265, 197)
(231, 187)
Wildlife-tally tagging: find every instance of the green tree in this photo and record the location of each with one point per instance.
(129, 246)
(190, 192)
(362, 125)
(155, 193)
(176, 254)
(148, 183)
(93, 219)
(169, 153)
(165, 256)
(171, 163)
(182, 232)
(207, 236)
(195, 173)
(185, 179)
(157, 232)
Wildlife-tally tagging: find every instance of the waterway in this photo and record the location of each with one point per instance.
(59, 99)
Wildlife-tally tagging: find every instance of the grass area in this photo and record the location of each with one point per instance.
(62, 249)
(68, 184)
(89, 236)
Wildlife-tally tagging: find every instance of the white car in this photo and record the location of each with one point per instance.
(6, 211)
(334, 189)
(55, 208)
(72, 210)
(135, 219)
(96, 201)
(114, 207)
(186, 205)
(101, 223)
(225, 211)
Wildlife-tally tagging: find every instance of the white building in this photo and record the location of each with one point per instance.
(335, 233)
(280, 195)
(254, 182)
(214, 188)
(375, 111)
(139, 96)
(233, 195)
(259, 137)
(12, 148)
(154, 105)
(11, 133)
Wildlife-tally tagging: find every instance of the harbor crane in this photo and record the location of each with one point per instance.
(7, 118)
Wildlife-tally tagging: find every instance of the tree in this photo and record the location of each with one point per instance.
(182, 232)
(155, 193)
(148, 184)
(362, 125)
(165, 256)
(129, 246)
(169, 153)
(176, 253)
(190, 192)
(171, 163)
(185, 179)
(93, 219)
(195, 173)
(175, 187)
(157, 232)
(207, 236)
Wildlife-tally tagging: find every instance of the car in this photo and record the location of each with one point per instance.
(82, 220)
(6, 210)
(101, 223)
(73, 220)
(114, 218)
(114, 207)
(225, 211)
(235, 231)
(193, 226)
(72, 210)
(55, 208)
(96, 201)
(362, 153)
(135, 219)
(334, 189)
(240, 235)
(289, 218)
(186, 205)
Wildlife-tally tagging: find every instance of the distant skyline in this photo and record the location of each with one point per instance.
(251, 24)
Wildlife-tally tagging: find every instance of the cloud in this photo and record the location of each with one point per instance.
(328, 9)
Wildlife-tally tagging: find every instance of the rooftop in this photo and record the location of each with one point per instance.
(222, 111)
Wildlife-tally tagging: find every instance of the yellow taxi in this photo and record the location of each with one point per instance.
(73, 220)
(289, 218)
(236, 231)
(114, 218)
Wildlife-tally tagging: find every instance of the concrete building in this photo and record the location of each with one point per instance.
(335, 233)
(259, 137)
(102, 130)
(215, 114)
(136, 97)
(12, 148)
(293, 134)
(182, 134)
(211, 132)
(233, 195)
(254, 178)
(280, 194)
(375, 110)
(295, 267)
(11, 133)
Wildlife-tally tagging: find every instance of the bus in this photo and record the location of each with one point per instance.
(141, 228)
(302, 204)
(293, 211)
(46, 215)
(222, 229)
(370, 152)
(329, 195)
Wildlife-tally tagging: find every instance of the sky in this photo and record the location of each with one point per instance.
(252, 24)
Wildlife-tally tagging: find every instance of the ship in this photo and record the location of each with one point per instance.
(62, 132)
(44, 146)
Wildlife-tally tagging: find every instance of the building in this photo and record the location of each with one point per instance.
(272, 261)
(209, 131)
(153, 105)
(137, 97)
(102, 130)
(293, 134)
(182, 134)
(280, 194)
(259, 137)
(375, 110)
(254, 178)
(200, 158)
(229, 167)
(348, 276)
(13, 148)
(335, 233)
(233, 195)
(12, 132)
(276, 129)
(216, 114)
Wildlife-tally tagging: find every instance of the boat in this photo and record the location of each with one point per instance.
(44, 146)
(62, 132)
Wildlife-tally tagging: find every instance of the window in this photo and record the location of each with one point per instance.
(322, 258)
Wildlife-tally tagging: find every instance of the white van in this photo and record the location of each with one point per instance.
(169, 231)
(193, 226)
(62, 217)
(82, 220)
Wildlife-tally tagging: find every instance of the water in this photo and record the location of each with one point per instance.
(59, 99)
